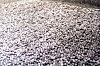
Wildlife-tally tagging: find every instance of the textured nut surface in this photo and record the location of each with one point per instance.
(42, 33)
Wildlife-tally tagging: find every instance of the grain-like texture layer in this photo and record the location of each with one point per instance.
(49, 34)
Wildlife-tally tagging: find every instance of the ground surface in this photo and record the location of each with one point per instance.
(42, 33)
